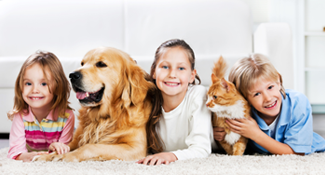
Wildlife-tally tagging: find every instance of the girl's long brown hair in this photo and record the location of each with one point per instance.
(155, 144)
(60, 87)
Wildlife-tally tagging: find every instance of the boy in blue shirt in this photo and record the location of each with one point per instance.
(281, 120)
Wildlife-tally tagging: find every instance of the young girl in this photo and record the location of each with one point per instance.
(42, 118)
(182, 128)
(283, 118)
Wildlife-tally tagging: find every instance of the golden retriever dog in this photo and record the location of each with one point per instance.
(115, 106)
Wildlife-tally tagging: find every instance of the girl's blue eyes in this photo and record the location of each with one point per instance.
(166, 67)
(270, 87)
(29, 84)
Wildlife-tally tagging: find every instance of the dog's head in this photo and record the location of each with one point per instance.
(108, 76)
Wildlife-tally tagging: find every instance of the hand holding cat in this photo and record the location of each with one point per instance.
(245, 127)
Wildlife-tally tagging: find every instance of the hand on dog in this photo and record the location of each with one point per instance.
(59, 147)
(158, 159)
(219, 133)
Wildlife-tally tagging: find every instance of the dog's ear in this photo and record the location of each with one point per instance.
(126, 91)
(138, 84)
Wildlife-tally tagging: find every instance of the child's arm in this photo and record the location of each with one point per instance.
(61, 146)
(68, 129)
(249, 128)
(17, 139)
(27, 157)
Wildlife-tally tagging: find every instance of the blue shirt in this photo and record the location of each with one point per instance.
(295, 126)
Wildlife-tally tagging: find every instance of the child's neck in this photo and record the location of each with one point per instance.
(40, 114)
(267, 119)
(171, 102)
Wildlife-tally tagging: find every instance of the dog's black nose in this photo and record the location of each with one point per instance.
(75, 76)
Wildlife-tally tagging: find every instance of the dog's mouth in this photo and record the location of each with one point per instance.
(89, 97)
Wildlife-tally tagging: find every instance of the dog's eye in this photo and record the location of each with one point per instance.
(82, 63)
(100, 64)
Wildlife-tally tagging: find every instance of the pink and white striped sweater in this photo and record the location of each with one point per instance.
(27, 134)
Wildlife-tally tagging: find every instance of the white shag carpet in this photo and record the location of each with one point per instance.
(214, 164)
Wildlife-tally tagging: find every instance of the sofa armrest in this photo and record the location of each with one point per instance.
(275, 41)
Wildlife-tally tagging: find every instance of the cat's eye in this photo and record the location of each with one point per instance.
(215, 97)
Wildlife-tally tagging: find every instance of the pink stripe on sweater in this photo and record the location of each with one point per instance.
(41, 134)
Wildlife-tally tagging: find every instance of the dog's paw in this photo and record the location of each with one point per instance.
(57, 158)
(68, 157)
(45, 157)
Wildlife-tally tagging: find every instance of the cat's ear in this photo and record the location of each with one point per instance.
(225, 84)
(214, 78)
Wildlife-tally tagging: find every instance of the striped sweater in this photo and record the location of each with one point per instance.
(27, 134)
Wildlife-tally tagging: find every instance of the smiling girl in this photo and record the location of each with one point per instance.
(181, 128)
(42, 118)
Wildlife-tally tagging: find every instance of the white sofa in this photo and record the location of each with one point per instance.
(70, 28)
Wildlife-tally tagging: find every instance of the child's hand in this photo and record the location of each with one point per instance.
(27, 157)
(219, 133)
(59, 147)
(157, 159)
(245, 127)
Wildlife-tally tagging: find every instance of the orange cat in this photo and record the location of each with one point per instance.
(226, 102)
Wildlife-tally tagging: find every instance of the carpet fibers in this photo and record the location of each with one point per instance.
(214, 164)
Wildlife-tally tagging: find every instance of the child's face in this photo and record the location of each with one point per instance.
(266, 98)
(35, 88)
(173, 72)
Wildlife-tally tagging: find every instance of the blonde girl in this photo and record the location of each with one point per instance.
(181, 128)
(42, 119)
(281, 120)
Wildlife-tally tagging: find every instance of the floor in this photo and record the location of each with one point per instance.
(319, 128)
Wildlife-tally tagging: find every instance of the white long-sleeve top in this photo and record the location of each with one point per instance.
(187, 130)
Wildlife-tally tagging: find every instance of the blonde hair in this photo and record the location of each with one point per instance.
(60, 87)
(247, 71)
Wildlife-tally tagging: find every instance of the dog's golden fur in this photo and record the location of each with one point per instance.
(114, 127)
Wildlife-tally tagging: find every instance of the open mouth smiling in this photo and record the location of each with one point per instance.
(89, 97)
(171, 84)
(271, 105)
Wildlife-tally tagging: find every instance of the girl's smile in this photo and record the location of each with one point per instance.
(172, 84)
(36, 98)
